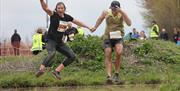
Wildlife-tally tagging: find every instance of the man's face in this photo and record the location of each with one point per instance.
(134, 30)
(113, 8)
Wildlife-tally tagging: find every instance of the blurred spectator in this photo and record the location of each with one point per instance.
(175, 34)
(163, 35)
(37, 44)
(135, 34)
(15, 41)
(127, 37)
(142, 36)
(178, 37)
(154, 32)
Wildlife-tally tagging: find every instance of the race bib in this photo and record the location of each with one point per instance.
(115, 35)
(62, 26)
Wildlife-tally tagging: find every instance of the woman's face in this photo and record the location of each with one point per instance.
(142, 33)
(60, 8)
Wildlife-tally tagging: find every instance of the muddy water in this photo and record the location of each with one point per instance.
(90, 88)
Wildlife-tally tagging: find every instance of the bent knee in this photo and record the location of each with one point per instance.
(72, 57)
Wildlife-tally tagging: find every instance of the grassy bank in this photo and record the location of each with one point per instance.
(143, 62)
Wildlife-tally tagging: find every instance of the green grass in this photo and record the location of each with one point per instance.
(144, 62)
(28, 79)
(4, 59)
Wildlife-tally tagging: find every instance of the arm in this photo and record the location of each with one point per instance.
(19, 37)
(100, 20)
(45, 8)
(77, 22)
(125, 17)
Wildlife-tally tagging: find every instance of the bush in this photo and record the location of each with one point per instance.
(86, 49)
(158, 50)
(143, 50)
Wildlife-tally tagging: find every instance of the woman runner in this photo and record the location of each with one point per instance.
(58, 24)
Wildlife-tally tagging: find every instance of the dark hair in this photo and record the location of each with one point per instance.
(115, 4)
(39, 30)
(154, 22)
(142, 31)
(59, 3)
(15, 30)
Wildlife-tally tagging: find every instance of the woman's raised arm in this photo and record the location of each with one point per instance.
(45, 8)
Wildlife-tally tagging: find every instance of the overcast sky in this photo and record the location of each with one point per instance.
(27, 15)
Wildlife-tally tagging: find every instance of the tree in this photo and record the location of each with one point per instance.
(165, 12)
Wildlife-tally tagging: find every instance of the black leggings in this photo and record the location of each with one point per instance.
(52, 46)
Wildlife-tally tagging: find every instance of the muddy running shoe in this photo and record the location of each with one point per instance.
(109, 80)
(39, 73)
(117, 79)
(56, 75)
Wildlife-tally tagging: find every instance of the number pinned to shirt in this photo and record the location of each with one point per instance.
(115, 35)
(62, 26)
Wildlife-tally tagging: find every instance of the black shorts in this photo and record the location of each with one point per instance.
(111, 42)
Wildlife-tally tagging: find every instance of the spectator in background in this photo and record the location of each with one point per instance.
(37, 45)
(178, 37)
(15, 42)
(175, 34)
(127, 37)
(142, 36)
(135, 34)
(154, 32)
(138, 34)
(163, 35)
(130, 34)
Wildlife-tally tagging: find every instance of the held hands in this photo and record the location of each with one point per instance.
(92, 29)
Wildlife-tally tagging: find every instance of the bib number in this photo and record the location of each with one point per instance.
(62, 26)
(115, 35)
